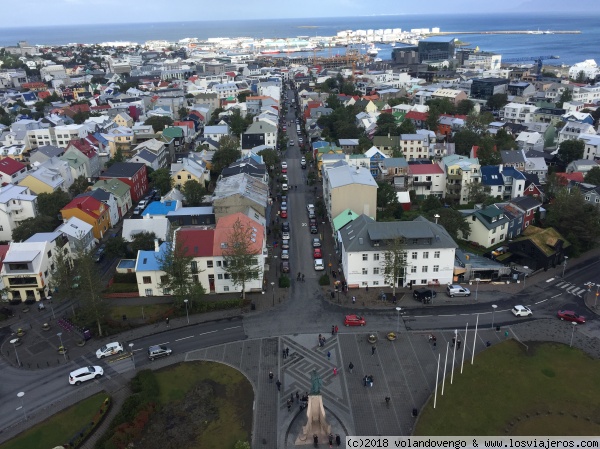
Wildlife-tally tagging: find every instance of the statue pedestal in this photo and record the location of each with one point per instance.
(316, 422)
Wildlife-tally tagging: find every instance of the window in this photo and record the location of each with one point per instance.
(424, 281)
(364, 283)
(218, 263)
(376, 257)
(375, 271)
(365, 271)
(226, 288)
(493, 241)
(424, 269)
(413, 269)
(436, 255)
(209, 264)
(49, 253)
(502, 227)
(365, 257)
(436, 268)
(227, 276)
(414, 255)
(425, 254)
(149, 292)
(375, 282)
(147, 280)
(220, 276)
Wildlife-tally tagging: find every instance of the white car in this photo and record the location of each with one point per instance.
(309, 207)
(284, 187)
(285, 236)
(285, 254)
(284, 164)
(521, 311)
(83, 374)
(303, 160)
(111, 348)
(284, 205)
(319, 265)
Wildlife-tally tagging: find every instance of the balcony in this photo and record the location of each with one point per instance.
(421, 183)
(454, 177)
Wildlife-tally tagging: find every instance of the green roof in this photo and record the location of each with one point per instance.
(173, 132)
(115, 186)
(544, 239)
(343, 219)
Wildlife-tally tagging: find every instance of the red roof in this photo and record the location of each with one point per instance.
(225, 226)
(186, 124)
(414, 115)
(566, 177)
(196, 242)
(425, 169)
(43, 94)
(84, 146)
(88, 204)
(9, 166)
(103, 107)
(3, 251)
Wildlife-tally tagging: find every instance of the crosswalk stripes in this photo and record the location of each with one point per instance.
(571, 289)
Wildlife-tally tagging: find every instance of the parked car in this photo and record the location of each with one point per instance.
(283, 214)
(309, 207)
(314, 229)
(284, 205)
(425, 295)
(86, 373)
(456, 290)
(354, 320)
(317, 253)
(285, 254)
(285, 226)
(319, 265)
(570, 315)
(284, 187)
(157, 351)
(99, 254)
(285, 235)
(285, 244)
(316, 242)
(284, 170)
(284, 164)
(285, 266)
(521, 311)
(109, 349)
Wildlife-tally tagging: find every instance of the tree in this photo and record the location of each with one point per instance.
(79, 185)
(161, 180)
(407, 127)
(478, 123)
(242, 96)
(92, 304)
(571, 150)
(452, 220)
(593, 176)
(159, 123)
(142, 241)
(431, 203)
(31, 226)
(239, 124)
(50, 204)
(241, 256)
(214, 117)
(386, 124)
(62, 276)
(194, 193)
(504, 140)
(465, 107)
(270, 157)
(442, 105)
(116, 247)
(433, 119)
(497, 101)
(228, 152)
(477, 193)
(566, 96)
(487, 152)
(394, 262)
(464, 141)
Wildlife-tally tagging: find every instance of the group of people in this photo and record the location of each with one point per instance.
(334, 329)
(330, 438)
(300, 277)
(321, 341)
(368, 381)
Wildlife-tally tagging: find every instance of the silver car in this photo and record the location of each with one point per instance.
(285, 254)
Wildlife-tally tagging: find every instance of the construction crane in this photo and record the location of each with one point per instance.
(539, 60)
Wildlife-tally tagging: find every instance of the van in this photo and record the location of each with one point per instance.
(456, 290)
(157, 351)
(109, 349)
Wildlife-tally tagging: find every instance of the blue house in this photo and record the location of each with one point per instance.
(504, 183)
(375, 157)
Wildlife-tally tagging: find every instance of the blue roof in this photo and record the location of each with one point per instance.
(511, 171)
(101, 138)
(126, 264)
(319, 144)
(160, 208)
(490, 175)
(150, 260)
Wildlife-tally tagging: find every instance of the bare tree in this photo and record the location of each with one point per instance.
(394, 262)
(241, 256)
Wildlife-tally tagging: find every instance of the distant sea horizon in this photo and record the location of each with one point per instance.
(571, 48)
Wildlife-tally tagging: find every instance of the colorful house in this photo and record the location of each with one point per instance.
(91, 211)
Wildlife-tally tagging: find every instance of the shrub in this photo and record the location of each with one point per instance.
(284, 281)
(125, 278)
(324, 280)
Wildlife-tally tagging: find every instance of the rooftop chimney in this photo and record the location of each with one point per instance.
(156, 246)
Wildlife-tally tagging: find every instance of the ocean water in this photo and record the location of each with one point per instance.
(571, 48)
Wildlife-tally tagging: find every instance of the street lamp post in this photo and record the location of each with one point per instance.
(61, 345)
(398, 309)
(494, 307)
(14, 343)
(477, 288)
(132, 354)
(187, 313)
(596, 301)
(273, 288)
(564, 266)
(20, 395)
(436, 216)
(276, 267)
(572, 333)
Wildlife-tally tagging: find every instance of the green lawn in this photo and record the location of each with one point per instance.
(152, 312)
(234, 401)
(550, 390)
(59, 428)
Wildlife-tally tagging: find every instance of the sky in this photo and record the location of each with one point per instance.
(62, 12)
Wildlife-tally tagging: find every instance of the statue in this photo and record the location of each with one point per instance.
(316, 383)
(316, 422)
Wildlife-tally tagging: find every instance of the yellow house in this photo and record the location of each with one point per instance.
(321, 151)
(90, 210)
(43, 180)
(188, 170)
(123, 119)
(120, 138)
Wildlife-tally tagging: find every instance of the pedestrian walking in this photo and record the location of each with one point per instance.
(335, 371)
(458, 343)
(373, 348)
(338, 440)
(354, 300)
(367, 288)
(336, 329)
(297, 396)
(328, 355)
(271, 376)
(292, 398)
(167, 321)
(278, 383)
(350, 367)
(283, 351)
(287, 352)
(302, 278)
(453, 341)
(334, 274)
(332, 329)
(330, 440)
(289, 406)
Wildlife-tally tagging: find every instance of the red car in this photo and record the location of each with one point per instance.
(283, 214)
(284, 170)
(569, 315)
(317, 253)
(354, 320)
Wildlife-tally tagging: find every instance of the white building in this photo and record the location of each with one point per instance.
(79, 234)
(517, 113)
(428, 248)
(16, 204)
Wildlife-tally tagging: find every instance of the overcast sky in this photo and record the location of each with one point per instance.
(60, 12)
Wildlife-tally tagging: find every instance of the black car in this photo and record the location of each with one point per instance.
(425, 295)
(285, 226)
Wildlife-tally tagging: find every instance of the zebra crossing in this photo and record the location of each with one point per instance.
(573, 289)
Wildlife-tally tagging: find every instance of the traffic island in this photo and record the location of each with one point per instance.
(391, 336)
(45, 327)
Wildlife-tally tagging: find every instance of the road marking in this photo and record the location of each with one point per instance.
(555, 296)
(184, 338)
(205, 333)
(549, 280)
(542, 301)
(234, 327)
(304, 224)
(570, 289)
